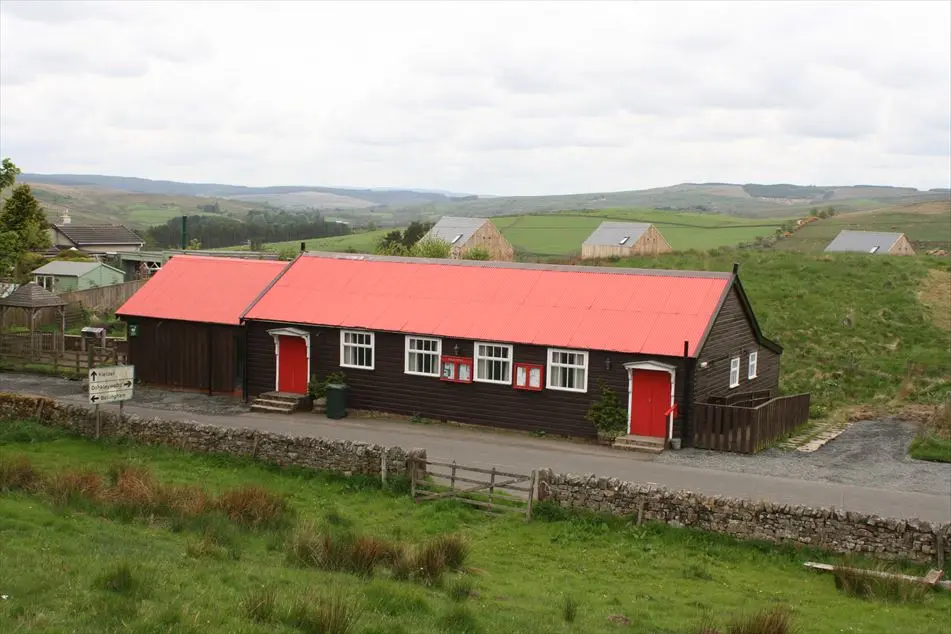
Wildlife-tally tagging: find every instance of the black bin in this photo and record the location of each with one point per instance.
(336, 400)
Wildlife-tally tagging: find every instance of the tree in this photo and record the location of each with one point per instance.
(23, 216)
(8, 173)
(414, 232)
(9, 252)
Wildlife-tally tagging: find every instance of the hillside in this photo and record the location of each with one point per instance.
(927, 225)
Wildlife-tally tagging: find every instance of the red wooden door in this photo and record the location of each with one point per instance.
(292, 365)
(650, 400)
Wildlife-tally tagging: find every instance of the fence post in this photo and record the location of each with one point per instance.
(531, 495)
(412, 477)
(491, 486)
(383, 468)
(452, 477)
(98, 421)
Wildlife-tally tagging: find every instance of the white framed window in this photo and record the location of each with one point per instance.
(422, 356)
(567, 370)
(356, 349)
(751, 373)
(46, 281)
(493, 363)
(734, 372)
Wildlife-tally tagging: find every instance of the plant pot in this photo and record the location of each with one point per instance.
(675, 444)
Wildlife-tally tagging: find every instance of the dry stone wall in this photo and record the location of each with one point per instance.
(826, 529)
(340, 456)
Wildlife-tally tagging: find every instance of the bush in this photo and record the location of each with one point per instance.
(477, 253)
(430, 248)
(453, 550)
(339, 550)
(865, 584)
(607, 413)
(254, 506)
(333, 614)
(70, 487)
(260, 605)
(16, 473)
(318, 389)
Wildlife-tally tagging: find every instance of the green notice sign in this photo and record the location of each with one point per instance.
(133, 330)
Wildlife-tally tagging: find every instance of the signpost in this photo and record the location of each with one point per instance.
(110, 384)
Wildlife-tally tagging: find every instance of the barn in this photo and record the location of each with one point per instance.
(875, 242)
(522, 346)
(623, 239)
(465, 234)
(184, 324)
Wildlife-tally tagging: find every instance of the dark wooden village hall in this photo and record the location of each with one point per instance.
(522, 346)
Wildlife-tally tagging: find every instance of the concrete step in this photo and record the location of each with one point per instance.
(644, 444)
(275, 403)
(282, 397)
(271, 409)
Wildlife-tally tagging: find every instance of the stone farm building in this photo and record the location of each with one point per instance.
(876, 242)
(623, 239)
(465, 234)
(522, 346)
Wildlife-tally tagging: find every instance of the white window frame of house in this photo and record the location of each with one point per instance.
(571, 366)
(752, 365)
(411, 353)
(344, 344)
(46, 281)
(508, 361)
(735, 372)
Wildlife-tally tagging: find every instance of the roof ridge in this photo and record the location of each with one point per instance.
(530, 266)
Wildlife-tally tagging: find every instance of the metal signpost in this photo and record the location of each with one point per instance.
(110, 384)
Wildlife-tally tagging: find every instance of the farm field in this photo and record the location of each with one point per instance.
(561, 234)
(363, 242)
(858, 330)
(927, 225)
(63, 562)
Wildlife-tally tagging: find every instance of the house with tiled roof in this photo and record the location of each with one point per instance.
(96, 239)
(522, 346)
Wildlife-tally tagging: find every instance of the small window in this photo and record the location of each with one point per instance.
(751, 374)
(456, 239)
(874, 249)
(624, 240)
(567, 370)
(493, 363)
(46, 281)
(422, 356)
(356, 349)
(734, 371)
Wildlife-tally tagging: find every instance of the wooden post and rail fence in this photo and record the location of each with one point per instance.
(46, 349)
(493, 490)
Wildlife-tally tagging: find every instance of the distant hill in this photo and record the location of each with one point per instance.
(140, 202)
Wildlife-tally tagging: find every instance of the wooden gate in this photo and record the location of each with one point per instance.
(492, 490)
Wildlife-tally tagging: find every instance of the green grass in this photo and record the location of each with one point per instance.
(65, 570)
(363, 242)
(925, 224)
(853, 329)
(930, 447)
(561, 234)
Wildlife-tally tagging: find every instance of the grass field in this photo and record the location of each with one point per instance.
(65, 569)
(857, 330)
(363, 242)
(928, 223)
(561, 234)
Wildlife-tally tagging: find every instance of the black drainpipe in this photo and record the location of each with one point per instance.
(211, 362)
(685, 437)
(244, 355)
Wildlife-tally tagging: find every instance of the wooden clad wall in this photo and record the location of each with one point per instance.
(650, 243)
(388, 389)
(185, 355)
(902, 247)
(732, 335)
(491, 239)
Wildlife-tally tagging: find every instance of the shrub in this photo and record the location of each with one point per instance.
(569, 609)
(430, 248)
(607, 413)
(453, 548)
(769, 621)
(318, 389)
(460, 589)
(333, 614)
(304, 547)
(253, 506)
(865, 584)
(477, 253)
(429, 563)
(260, 605)
(69, 487)
(339, 550)
(16, 473)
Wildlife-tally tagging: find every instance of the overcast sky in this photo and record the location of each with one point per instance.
(490, 97)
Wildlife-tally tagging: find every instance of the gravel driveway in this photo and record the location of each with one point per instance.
(868, 453)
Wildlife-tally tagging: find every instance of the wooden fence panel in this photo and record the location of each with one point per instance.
(493, 490)
(742, 429)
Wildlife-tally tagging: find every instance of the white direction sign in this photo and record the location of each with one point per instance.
(111, 384)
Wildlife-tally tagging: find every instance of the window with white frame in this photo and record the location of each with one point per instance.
(422, 355)
(356, 349)
(751, 373)
(493, 363)
(567, 370)
(46, 281)
(734, 371)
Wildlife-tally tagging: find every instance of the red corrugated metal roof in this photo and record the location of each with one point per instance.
(204, 289)
(649, 312)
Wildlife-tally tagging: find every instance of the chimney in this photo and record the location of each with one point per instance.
(66, 219)
(303, 247)
(736, 268)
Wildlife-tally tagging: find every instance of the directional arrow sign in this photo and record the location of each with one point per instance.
(111, 384)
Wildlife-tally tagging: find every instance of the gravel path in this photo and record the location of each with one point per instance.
(868, 453)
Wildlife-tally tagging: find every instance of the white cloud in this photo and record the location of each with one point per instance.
(503, 98)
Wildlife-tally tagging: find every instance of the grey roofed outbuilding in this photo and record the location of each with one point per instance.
(454, 230)
(614, 232)
(863, 242)
(71, 269)
(31, 296)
